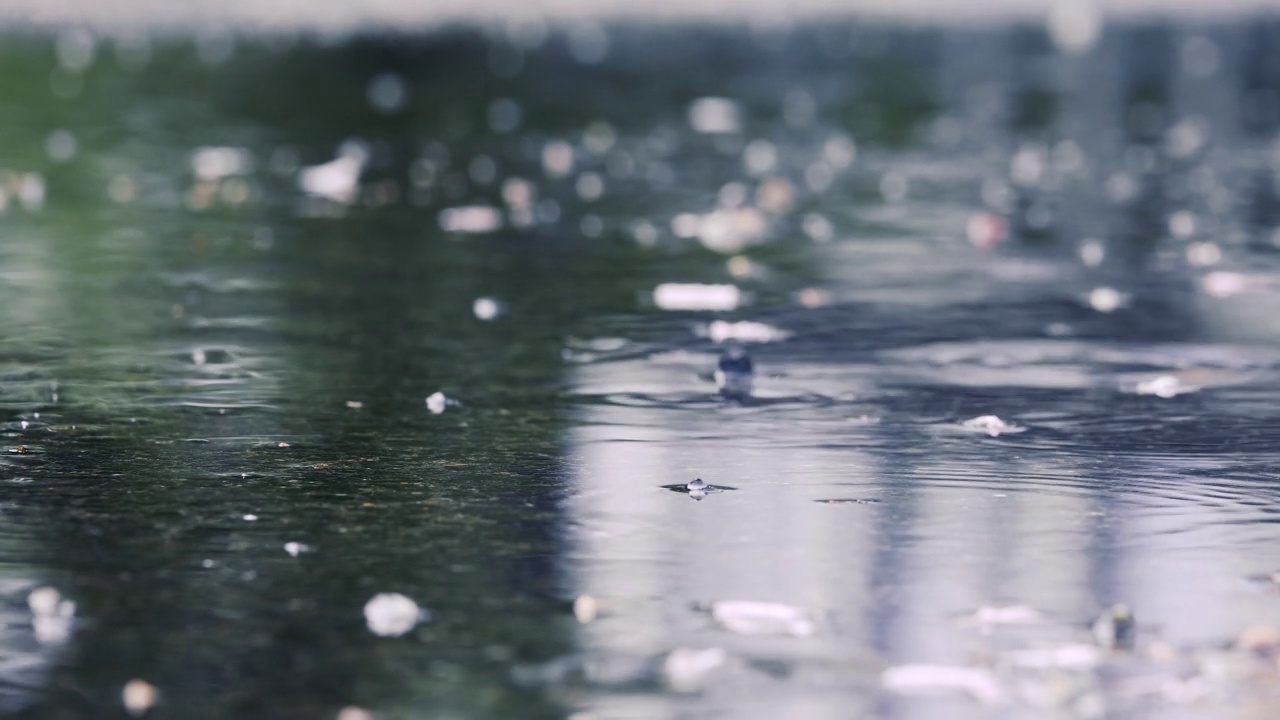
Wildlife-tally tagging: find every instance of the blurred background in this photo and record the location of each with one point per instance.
(357, 358)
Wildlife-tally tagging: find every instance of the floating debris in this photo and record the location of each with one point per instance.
(393, 614)
(848, 501)
(992, 425)
(52, 615)
(687, 670)
(697, 489)
(138, 697)
(250, 518)
(696, 296)
(979, 683)
(1115, 628)
(470, 219)
(355, 404)
(749, 617)
(735, 374)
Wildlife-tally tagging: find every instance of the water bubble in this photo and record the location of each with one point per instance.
(599, 137)
(393, 614)
(504, 115)
(557, 158)
(798, 108)
(714, 115)
(591, 226)
(138, 696)
(52, 615)
(65, 84)
(819, 176)
(215, 47)
(1186, 137)
(1221, 284)
(1203, 254)
(75, 50)
(893, 186)
(215, 163)
(60, 145)
(590, 186)
(775, 195)
(839, 151)
(759, 157)
(732, 195)
(588, 43)
(1107, 300)
(1199, 56)
(133, 51)
(470, 219)
(482, 169)
(817, 227)
(1074, 25)
(1182, 224)
(985, 230)
(387, 92)
(1092, 252)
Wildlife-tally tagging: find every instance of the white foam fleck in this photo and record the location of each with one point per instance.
(296, 548)
(486, 308)
(721, 331)
(437, 402)
(393, 614)
(687, 670)
(750, 617)
(696, 296)
(980, 683)
(992, 425)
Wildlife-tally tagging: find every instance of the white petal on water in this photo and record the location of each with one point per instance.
(393, 614)
(470, 219)
(749, 617)
(687, 670)
(296, 548)
(714, 115)
(980, 683)
(695, 296)
(437, 402)
(138, 697)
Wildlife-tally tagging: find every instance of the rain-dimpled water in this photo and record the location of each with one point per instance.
(599, 370)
